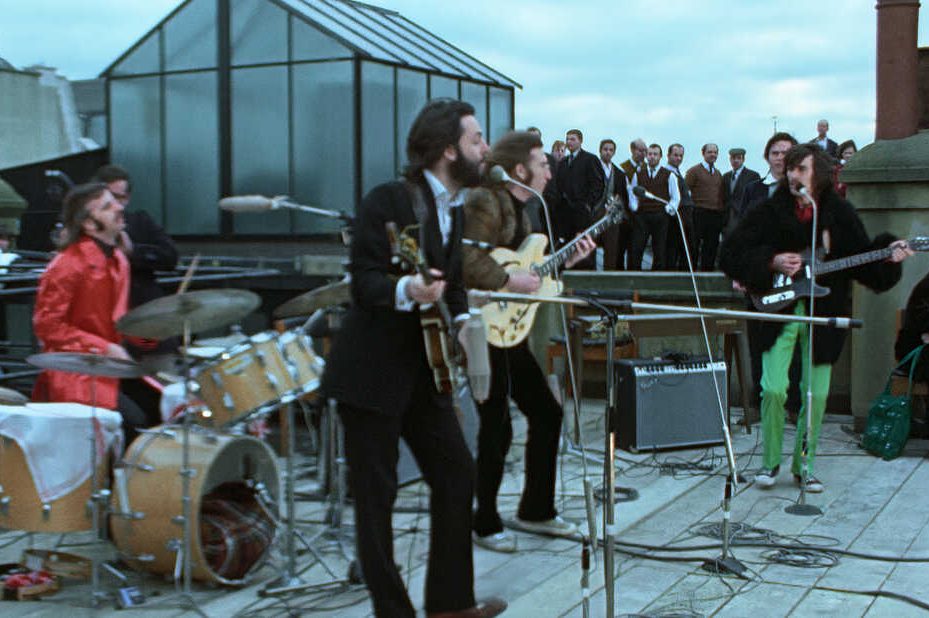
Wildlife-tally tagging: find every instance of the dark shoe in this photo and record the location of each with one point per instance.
(484, 609)
(813, 484)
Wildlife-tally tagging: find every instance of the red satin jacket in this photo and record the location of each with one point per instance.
(81, 295)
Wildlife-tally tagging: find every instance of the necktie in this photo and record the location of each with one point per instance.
(570, 159)
(712, 169)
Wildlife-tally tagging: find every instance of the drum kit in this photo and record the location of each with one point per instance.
(195, 498)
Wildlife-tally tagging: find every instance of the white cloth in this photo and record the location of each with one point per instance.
(55, 440)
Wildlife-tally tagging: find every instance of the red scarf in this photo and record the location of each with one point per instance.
(803, 211)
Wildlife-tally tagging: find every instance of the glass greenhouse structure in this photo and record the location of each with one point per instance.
(308, 98)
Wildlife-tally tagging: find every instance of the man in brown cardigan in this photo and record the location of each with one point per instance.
(706, 189)
(496, 214)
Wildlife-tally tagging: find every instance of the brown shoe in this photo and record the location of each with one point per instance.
(484, 609)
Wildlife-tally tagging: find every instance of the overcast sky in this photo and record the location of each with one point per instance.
(693, 72)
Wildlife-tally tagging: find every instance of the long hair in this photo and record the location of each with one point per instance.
(780, 136)
(437, 127)
(74, 211)
(511, 150)
(822, 165)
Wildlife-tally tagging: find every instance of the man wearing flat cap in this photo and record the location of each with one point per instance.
(734, 183)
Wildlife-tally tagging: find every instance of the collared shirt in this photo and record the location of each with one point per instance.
(444, 202)
(706, 166)
(673, 190)
(823, 143)
(607, 168)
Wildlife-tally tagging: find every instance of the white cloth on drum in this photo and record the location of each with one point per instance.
(172, 401)
(55, 440)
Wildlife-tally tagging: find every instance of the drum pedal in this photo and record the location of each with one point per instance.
(130, 596)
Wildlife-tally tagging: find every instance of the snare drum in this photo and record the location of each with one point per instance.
(247, 378)
(149, 497)
(45, 470)
(305, 367)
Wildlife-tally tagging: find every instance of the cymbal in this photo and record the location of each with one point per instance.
(87, 364)
(226, 341)
(9, 397)
(336, 293)
(203, 309)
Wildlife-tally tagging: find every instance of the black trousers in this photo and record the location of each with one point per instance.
(708, 225)
(434, 436)
(647, 223)
(516, 374)
(675, 257)
(617, 244)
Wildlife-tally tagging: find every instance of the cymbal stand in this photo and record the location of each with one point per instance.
(96, 497)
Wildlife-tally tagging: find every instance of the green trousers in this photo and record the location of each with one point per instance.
(775, 365)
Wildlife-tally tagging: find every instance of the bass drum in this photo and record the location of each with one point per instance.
(234, 493)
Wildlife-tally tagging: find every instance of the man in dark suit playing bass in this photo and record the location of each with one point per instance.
(378, 371)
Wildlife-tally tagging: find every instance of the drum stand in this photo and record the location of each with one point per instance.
(290, 581)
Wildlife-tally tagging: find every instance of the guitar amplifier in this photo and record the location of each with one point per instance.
(668, 404)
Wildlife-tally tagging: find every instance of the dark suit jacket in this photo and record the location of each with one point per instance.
(831, 147)
(378, 352)
(731, 198)
(619, 185)
(580, 188)
(152, 250)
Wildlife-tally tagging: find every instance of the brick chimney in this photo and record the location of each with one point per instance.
(897, 69)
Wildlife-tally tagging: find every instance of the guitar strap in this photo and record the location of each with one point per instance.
(420, 210)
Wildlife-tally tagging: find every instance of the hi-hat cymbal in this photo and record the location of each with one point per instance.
(202, 310)
(9, 397)
(331, 294)
(87, 364)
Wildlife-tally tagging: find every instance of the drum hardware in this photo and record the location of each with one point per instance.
(136, 558)
(181, 315)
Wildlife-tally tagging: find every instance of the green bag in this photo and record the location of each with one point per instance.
(889, 417)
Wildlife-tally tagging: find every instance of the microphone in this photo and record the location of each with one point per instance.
(641, 191)
(474, 342)
(498, 174)
(249, 203)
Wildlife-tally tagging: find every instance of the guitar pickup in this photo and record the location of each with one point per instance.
(779, 297)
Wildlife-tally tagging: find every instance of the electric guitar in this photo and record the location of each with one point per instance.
(443, 352)
(785, 290)
(508, 323)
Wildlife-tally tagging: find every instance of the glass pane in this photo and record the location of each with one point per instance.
(377, 122)
(135, 127)
(501, 111)
(311, 44)
(191, 154)
(411, 96)
(324, 142)
(144, 59)
(443, 88)
(190, 37)
(258, 32)
(476, 95)
(260, 144)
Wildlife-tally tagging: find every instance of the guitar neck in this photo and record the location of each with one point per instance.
(557, 259)
(852, 261)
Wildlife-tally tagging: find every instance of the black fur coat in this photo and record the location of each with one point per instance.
(774, 228)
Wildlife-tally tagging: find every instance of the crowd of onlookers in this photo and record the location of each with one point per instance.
(695, 206)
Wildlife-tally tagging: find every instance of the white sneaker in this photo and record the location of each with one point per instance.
(503, 542)
(766, 478)
(555, 526)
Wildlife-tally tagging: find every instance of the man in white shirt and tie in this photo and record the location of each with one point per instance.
(651, 215)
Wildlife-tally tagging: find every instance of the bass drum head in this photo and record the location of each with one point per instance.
(233, 524)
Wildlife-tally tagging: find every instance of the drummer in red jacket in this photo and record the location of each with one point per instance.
(82, 294)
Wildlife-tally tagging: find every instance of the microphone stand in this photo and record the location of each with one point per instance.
(801, 507)
(284, 202)
(572, 376)
(610, 529)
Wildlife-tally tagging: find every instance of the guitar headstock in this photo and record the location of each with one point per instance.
(614, 209)
(405, 249)
(919, 243)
